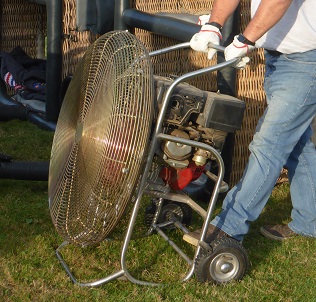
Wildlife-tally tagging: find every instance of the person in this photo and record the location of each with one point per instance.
(286, 29)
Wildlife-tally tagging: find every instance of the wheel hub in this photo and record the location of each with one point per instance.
(224, 267)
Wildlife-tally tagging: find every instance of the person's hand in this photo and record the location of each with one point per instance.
(207, 34)
(238, 49)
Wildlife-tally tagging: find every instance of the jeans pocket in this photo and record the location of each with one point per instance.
(308, 57)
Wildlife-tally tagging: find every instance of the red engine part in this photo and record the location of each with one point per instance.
(178, 179)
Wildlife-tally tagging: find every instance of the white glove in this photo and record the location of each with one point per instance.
(237, 49)
(203, 19)
(207, 34)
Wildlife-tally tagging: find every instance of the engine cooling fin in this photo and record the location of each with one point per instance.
(101, 138)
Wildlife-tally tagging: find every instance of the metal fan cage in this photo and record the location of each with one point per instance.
(101, 138)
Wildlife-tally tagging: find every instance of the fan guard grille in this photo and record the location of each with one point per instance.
(101, 138)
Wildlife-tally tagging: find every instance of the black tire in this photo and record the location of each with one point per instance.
(149, 214)
(169, 209)
(227, 262)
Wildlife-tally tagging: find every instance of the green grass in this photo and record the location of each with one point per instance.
(30, 271)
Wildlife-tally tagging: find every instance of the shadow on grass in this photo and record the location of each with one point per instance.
(24, 213)
(277, 211)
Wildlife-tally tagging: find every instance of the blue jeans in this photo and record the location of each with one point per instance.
(282, 138)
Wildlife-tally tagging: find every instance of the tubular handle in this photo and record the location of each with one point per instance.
(180, 46)
(217, 47)
(187, 45)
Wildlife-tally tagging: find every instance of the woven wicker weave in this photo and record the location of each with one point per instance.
(21, 22)
(75, 43)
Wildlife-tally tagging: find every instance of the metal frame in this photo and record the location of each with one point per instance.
(157, 136)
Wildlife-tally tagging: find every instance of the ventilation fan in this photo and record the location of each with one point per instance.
(101, 139)
(110, 147)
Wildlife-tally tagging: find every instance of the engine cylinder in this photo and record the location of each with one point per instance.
(175, 150)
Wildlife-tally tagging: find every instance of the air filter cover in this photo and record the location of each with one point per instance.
(101, 138)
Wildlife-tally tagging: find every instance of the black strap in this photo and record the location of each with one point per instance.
(214, 24)
(273, 52)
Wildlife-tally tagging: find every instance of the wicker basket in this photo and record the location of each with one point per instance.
(22, 23)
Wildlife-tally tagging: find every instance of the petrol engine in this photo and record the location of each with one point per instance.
(196, 115)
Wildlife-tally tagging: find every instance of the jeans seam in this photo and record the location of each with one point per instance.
(269, 164)
(309, 177)
(288, 58)
(301, 232)
(275, 144)
(299, 62)
(313, 187)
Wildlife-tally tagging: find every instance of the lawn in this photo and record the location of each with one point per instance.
(30, 271)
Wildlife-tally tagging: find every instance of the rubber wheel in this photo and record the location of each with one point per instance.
(227, 262)
(169, 209)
